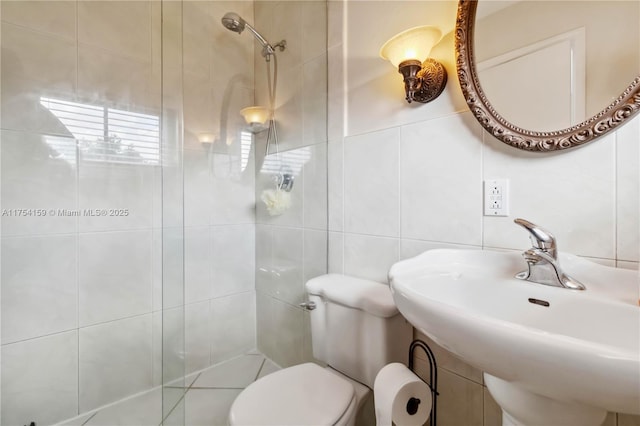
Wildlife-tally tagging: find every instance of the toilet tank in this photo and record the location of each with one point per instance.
(356, 327)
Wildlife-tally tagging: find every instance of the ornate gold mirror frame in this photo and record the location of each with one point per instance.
(623, 108)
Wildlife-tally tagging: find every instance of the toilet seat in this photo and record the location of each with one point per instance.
(305, 394)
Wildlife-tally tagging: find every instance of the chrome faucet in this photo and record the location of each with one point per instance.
(542, 259)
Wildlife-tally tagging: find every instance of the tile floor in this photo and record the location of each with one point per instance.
(204, 399)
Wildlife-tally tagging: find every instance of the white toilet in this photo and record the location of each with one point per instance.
(356, 329)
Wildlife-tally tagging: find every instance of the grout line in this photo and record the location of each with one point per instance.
(215, 387)
(264, 360)
(173, 408)
(92, 416)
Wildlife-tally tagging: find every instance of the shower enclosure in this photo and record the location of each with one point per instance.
(136, 248)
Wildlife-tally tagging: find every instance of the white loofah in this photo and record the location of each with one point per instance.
(276, 200)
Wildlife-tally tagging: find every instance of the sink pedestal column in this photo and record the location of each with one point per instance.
(521, 407)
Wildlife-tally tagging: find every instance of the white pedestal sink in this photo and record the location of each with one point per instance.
(551, 356)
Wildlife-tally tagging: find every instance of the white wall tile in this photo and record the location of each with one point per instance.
(371, 199)
(169, 347)
(336, 90)
(370, 257)
(460, 400)
(169, 286)
(315, 188)
(264, 255)
(335, 185)
(336, 253)
(234, 198)
(170, 203)
(122, 348)
(116, 187)
(198, 249)
(233, 259)
(571, 194)
(40, 380)
(289, 104)
(264, 323)
(628, 191)
(282, 331)
(125, 29)
(57, 17)
(314, 92)
(335, 12)
(448, 361)
(440, 167)
(156, 347)
(157, 269)
(115, 275)
(197, 334)
(314, 29)
(34, 65)
(627, 265)
(198, 37)
(198, 105)
(39, 286)
(287, 24)
(233, 321)
(105, 78)
(315, 254)
(32, 179)
(287, 265)
(198, 196)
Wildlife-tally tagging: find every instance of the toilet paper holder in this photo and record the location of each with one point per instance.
(412, 404)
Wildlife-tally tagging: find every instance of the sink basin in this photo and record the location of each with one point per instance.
(578, 348)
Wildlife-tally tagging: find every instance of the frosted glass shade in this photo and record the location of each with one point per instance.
(255, 114)
(414, 43)
(206, 137)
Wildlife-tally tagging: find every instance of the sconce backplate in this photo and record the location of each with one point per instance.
(433, 76)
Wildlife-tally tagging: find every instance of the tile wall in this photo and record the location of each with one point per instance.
(407, 178)
(219, 215)
(83, 297)
(292, 247)
(78, 292)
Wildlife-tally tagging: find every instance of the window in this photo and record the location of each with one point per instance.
(106, 134)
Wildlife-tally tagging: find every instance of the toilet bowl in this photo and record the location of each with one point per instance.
(305, 394)
(356, 330)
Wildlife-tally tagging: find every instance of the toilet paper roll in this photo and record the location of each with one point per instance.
(396, 392)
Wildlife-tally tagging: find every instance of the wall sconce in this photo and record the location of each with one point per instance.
(423, 81)
(256, 117)
(206, 138)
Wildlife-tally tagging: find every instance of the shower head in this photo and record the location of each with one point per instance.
(232, 21)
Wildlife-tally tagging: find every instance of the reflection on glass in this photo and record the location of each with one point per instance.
(107, 134)
(246, 138)
(293, 161)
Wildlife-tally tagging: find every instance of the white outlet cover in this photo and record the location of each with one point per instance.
(496, 197)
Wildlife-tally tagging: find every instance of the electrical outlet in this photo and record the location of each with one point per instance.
(496, 197)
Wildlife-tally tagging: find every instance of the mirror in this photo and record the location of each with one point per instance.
(549, 75)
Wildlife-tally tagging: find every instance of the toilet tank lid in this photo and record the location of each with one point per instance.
(370, 296)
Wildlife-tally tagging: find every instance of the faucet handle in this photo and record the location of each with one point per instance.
(540, 238)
